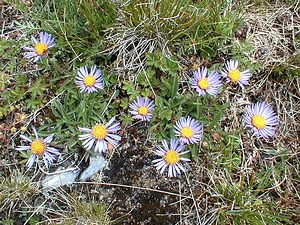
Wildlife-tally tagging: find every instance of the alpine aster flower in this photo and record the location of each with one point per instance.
(40, 47)
(39, 148)
(170, 157)
(141, 108)
(188, 130)
(89, 81)
(206, 83)
(234, 75)
(261, 119)
(101, 135)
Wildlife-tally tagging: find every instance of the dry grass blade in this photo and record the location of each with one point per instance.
(272, 33)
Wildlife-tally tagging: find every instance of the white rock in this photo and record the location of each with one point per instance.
(60, 178)
(96, 164)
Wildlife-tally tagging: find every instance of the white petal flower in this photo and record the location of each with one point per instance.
(170, 157)
(100, 136)
(39, 148)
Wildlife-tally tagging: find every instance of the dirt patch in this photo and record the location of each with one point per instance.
(132, 166)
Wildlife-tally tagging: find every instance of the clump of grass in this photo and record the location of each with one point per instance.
(77, 25)
(98, 14)
(235, 198)
(15, 190)
(7, 221)
(172, 26)
(81, 211)
(244, 205)
(90, 212)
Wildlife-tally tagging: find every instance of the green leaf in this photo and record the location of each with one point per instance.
(194, 149)
(21, 79)
(171, 66)
(34, 103)
(3, 80)
(175, 86)
(153, 59)
(166, 113)
(236, 212)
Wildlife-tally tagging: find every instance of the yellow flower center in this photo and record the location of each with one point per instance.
(234, 75)
(203, 83)
(171, 157)
(187, 132)
(89, 80)
(41, 48)
(38, 147)
(259, 122)
(99, 131)
(143, 110)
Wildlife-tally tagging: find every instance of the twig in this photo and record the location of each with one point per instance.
(195, 203)
(136, 187)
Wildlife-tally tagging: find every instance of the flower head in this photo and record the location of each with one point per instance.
(234, 75)
(89, 81)
(141, 109)
(261, 119)
(39, 148)
(189, 130)
(102, 135)
(206, 83)
(40, 47)
(170, 156)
